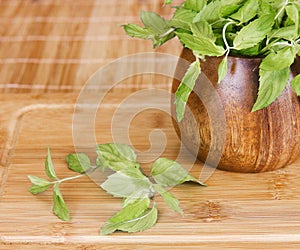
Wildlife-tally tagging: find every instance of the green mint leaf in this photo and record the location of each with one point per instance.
(118, 157)
(253, 51)
(156, 29)
(39, 185)
(195, 5)
(169, 198)
(182, 18)
(169, 173)
(134, 30)
(158, 40)
(38, 181)
(280, 60)
(265, 8)
(200, 45)
(121, 185)
(127, 200)
(246, 12)
(127, 213)
(185, 88)
(209, 13)
(229, 7)
(79, 163)
(293, 14)
(49, 168)
(284, 32)
(59, 206)
(295, 83)
(131, 211)
(271, 85)
(35, 189)
(154, 22)
(203, 29)
(222, 69)
(254, 32)
(139, 223)
(166, 2)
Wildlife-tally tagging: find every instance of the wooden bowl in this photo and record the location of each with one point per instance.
(259, 141)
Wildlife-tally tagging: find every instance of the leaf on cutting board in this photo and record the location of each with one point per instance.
(78, 162)
(49, 168)
(59, 205)
(39, 185)
(169, 173)
(134, 217)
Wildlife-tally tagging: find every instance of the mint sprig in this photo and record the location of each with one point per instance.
(139, 209)
(248, 28)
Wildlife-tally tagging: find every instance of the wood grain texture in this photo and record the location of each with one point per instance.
(235, 210)
(50, 46)
(258, 141)
(48, 50)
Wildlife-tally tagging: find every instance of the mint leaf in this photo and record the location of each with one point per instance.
(293, 14)
(118, 157)
(284, 32)
(121, 185)
(295, 83)
(253, 51)
(169, 173)
(271, 85)
(35, 189)
(168, 2)
(169, 198)
(59, 205)
(200, 45)
(203, 29)
(131, 211)
(254, 32)
(134, 30)
(156, 29)
(229, 7)
(266, 8)
(126, 214)
(185, 88)
(182, 18)
(246, 12)
(195, 5)
(222, 69)
(49, 168)
(154, 22)
(39, 185)
(138, 224)
(38, 181)
(141, 223)
(281, 59)
(79, 163)
(210, 12)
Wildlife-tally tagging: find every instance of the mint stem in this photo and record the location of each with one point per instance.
(224, 37)
(68, 178)
(92, 169)
(282, 9)
(167, 33)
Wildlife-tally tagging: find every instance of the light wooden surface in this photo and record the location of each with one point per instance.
(48, 50)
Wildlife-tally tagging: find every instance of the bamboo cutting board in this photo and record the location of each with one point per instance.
(48, 50)
(237, 210)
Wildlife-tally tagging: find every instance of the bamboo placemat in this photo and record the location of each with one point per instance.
(48, 46)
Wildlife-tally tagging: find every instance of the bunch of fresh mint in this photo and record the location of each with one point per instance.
(128, 182)
(251, 28)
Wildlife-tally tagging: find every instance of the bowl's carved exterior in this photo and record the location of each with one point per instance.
(259, 141)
